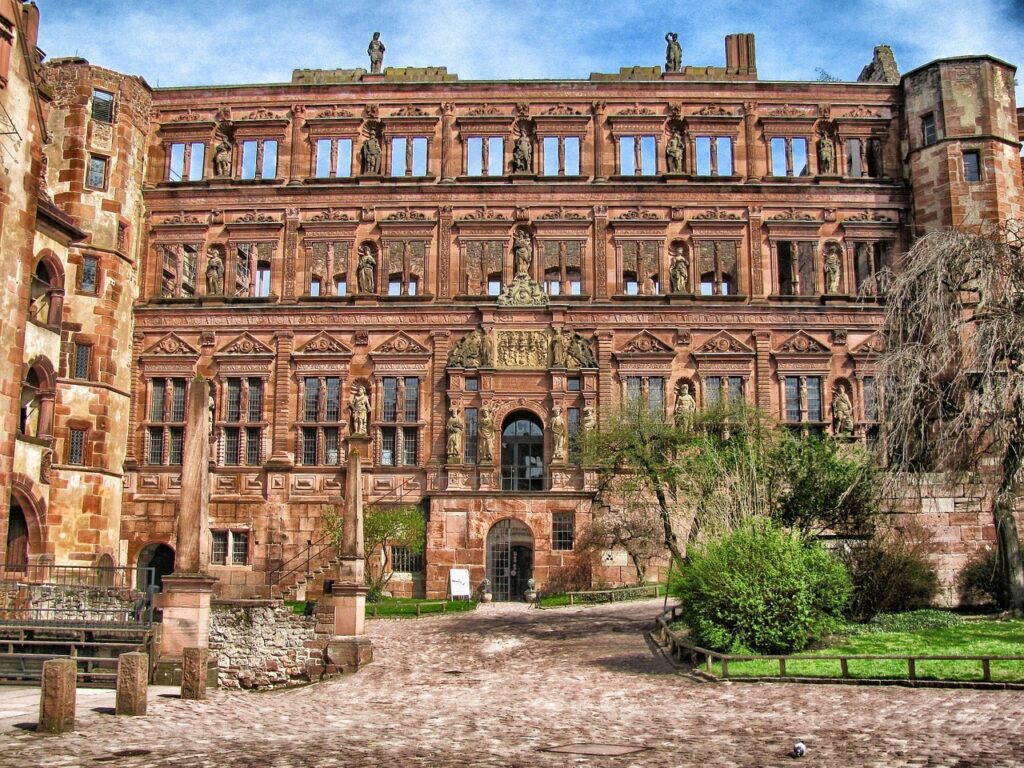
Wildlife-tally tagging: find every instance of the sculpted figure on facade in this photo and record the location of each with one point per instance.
(474, 350)
(685, 405)
(455, 428)
(826, 155)
(370, 155)
(558, 433)
(560, 348)
(522, 251)
(522, 154)
(589, 421)
(679, 269)
(674, 153)
(832, 268)
(376, 54)
(842, 411)
(673, 53)
(222, 158)
(214, 273)
(579, 354)
(366, 270)
(360, 411)
(485, 436)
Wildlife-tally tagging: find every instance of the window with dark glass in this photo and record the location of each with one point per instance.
(229, 547)
(88, 282)
(572, 384)
(76, 446)
(102, 106)
(730, 386)
(320, 420)
(243, 413)
(870, 399)
(82, 353)
(405, 560)
(400, 404)
(470, 436)
(795, 267)
(928, 132)
(165, 430)
(573, 424)
(96, 176)
(387, 446)
(803, 399)
(972, 166)
(562, 531)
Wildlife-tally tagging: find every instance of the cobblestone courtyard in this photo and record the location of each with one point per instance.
(496, 687)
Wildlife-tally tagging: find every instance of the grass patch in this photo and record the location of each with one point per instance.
(405, 607)
(595, 597)
(932, 633)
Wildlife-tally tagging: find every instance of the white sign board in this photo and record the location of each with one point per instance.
(458, 583)
(614, 557)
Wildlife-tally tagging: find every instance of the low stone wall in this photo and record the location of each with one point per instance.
(59, 602)
(262, 644)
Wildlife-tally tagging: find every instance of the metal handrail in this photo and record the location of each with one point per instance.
(45, 593)
(303, 561)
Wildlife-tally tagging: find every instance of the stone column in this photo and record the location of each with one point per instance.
(187, 592)
(350, 648)
(193, 673)
(762, 369)
(57, 696)
(132, 680)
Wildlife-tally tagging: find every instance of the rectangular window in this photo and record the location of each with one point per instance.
(723, 145)
(778, 157)
(232, 444)
(419, 157)
(249, 159)
(177, 446)
(474, 156)
(469, 444)
(627, 156)
(387, 446)
(96, 178)
(551, 155)
(814, 405)
(561, 156)
(309, 452)
(269, 169)
(390, 400)
(219, 547)
(90, 266)
(196, 162)
(177, 399)
(731, 386)
(412, 398)
(404, 560)
(870, 399)
(239, 547)
(713, 155)
(229, 547)
(311, 388)
(410, 446)
(572, 384)
(472, 385)
(332, 448)
(102, 106)
(262, 286)
(323, 158)
(495, 156)
(928, 132)
(176, 169)
(76, 448)
(253, 454)
(573, 420)
(796, 271)
(572, 155)
(341, 287)
(156, 403)
(255, 407)
(398, 151)
(799, 151)
(656, 394)
(333, 406)
(792, 398)
(972, 166)
(82, 361)
(703, 156)
(333, 158)
(562, 525)
(156, 445)
(803, 398)
(634, 391)
(234, 409)
(854, 166)
(186, 161)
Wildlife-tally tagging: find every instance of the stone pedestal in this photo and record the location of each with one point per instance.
(132, 682)
(186, 607)
(193, 673)
(57, 696)
(349, 654)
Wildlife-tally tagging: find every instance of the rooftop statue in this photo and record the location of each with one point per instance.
(673, 53)
(376, 52)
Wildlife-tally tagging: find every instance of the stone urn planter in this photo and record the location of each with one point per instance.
(485, 591)
(531, 591)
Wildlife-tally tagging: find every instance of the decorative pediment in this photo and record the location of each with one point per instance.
(401, 344)
(724, 342)
(245, 345)
(324, 344)
(646, 343)
(171, 344)
(872, 345)
(802, 343)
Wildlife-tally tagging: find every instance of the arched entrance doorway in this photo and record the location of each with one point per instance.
(522, 453)
(509, 558)
(160, 558)
(16, 558)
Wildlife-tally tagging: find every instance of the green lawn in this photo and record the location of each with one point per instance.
(621, 594)
(401, 607)
(971, 638)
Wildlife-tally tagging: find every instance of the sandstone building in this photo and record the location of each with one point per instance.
(454, 277)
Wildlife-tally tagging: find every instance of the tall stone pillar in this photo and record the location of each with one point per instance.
(187, 592)
(350, 648)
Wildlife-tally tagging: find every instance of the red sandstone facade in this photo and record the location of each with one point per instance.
(651, 230)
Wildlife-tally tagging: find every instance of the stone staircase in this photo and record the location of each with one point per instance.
(309, 585)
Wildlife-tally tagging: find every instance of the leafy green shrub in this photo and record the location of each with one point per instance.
(891, 574)
(761, 588)
(910, 621)
(983, 581)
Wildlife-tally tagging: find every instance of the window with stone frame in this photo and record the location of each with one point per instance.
(562, 267)
(165, 423)
(229, 547)
(573, 420)
(399, 426)
(803, 407)
(869, 258)
(405, 560)
(88, 276)
(713, 155)
(972, 165)
(409, 156)
(485, 155)
(469, 442)
(242, 421)
(328, 267)
(561, 155)
(253, 269)
(641, 268)
(563, 529)
(179, 270)
(929, 134)
(789, 156)
(724, 390)
(186, 161)
(638, 155)
(645, 392)
(870, 404)
(80, 361)
(796, 267)
(333, 158)
(76, 446)
(102, 106)
(483, 267)
(96, 172)
(320, 421)
(405, 268)
(259, 159)
(717, 267)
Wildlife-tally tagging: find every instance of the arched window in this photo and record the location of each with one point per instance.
(37, 395)
(47, 293)
(522, 453)
(16, 558)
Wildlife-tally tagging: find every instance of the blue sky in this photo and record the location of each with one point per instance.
(194, 42)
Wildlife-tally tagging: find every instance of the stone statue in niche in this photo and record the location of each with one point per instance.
(679, 270)
(842, 411)
(485, 436)
(370, 155)
(360, 411)
(486, 348)
(454, 428)
(214, 273)
(560, 348)
(366, 269)
(522, 250)
(674, 153)
(522, 154)
(673, 53)
(558, 433)
(832, 268)
(685, 406)
(826, 156)
(222, 158)
(474, 350)
(589, 422)
(376, 54)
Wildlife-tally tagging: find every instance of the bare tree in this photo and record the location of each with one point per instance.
(633, 526)
(953, 368)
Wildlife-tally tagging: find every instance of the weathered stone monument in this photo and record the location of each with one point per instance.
(132, 683)
(350, 648)
(187, 591)
(57, 696)
(193, 673)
